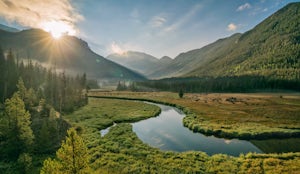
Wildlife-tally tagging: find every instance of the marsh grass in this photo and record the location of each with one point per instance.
(103, 113)
(248, 116)
(121, 151)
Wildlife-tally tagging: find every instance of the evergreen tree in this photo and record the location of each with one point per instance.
(121, 86)
(180, 93)
(72, 157)
(21, 89)
(2, 73)
(51, 166)
(44, 141)
(25, 163)
(20, 135)
(10, 75)
(83, 81)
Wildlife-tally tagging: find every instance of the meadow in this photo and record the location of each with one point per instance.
(231, 115)
(121, 151)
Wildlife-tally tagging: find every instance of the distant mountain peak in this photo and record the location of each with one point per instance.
(138, 61)
(166, 59)
(270, 49)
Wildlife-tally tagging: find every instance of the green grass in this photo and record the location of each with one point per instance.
(251, 116)
(121, 151)
(103, 113)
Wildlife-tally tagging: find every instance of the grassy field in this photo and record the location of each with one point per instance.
(100, 114)
(245, 116)
(121, 151)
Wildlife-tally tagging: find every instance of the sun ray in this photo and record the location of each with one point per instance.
(58, 28)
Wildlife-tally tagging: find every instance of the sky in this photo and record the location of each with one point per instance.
(156, 27)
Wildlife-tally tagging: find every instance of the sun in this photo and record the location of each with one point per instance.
(58, 28)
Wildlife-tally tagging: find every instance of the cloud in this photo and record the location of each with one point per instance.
(231, 27)
(243, 7)
(115, 48)
(184, 18)
(157, 21)
(122, 48)
(36, 13)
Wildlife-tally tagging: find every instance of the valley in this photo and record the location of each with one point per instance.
(120, 150)
(142, 87)
(245, 116)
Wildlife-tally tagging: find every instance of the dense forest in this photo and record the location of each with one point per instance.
(32, 101)
(270, 49)
(245, 83)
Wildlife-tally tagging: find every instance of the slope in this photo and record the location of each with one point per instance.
(271, 49)
(140, 62)
(185, 62)
(67, 53)
(7, 28)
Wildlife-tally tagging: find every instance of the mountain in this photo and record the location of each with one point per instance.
(185, 62)
(140, 62)
(165, 60)
(271, 49)
(67, 53)
(7, 28)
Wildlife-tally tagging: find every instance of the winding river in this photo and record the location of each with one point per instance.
(167, 133)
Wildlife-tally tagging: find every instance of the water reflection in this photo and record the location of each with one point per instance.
(103, 132)
(166, 132)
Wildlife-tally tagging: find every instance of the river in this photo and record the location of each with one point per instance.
(167, 133)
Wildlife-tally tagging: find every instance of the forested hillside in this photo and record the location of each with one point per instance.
(264, 58)
(66, 53)
(271, 49)
(32, 99)
(185, 62)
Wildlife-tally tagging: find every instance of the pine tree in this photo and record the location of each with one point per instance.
(43, 141)
(11, 75)
(20, 135)
(2, 73)
(83, 81)
(25, 163)
(180, 93)
(21, 89)
(72, 157)
(51, 166)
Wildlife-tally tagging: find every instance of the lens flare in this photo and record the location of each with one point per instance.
(58, 28)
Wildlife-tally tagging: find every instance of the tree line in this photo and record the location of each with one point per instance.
(246, 83)
(63, 92)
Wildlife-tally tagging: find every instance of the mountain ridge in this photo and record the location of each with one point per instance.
(68, 53)
(270, 49)
(138, 61)
(7, 28)
(184, 62)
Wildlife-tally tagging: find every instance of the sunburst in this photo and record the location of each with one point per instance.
(58, 28)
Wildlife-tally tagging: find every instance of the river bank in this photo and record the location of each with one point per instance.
(243, 116)
(121, 151)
